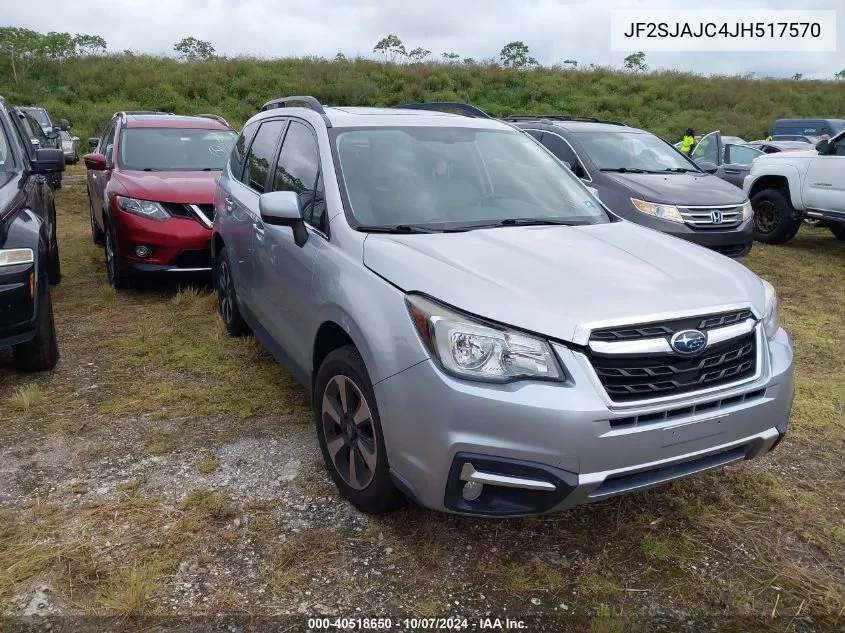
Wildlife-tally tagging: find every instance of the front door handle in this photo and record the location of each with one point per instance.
(229, 203)
(259, 231)
(733, 171)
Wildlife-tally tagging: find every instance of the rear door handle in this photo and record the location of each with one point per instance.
(733, 171)
(259, 231)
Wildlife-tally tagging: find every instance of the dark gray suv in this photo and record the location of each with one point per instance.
(644, 179)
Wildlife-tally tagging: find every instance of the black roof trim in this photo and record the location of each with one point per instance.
(463, 108)
(560, 117)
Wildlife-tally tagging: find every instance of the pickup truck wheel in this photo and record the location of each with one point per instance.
(350, 435)
(838, 230)
(42, 352)
(227, 301)
(774, 217)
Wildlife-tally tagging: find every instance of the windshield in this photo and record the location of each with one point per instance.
(457, 178)
(38, 115)
(183, 149)
(632, 151)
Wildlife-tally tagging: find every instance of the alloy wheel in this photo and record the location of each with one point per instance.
(225, 292)
(111, 264)
(765, 217)
(349, 432)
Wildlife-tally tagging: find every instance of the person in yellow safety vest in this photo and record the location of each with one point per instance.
(768, 138)
(688, 142)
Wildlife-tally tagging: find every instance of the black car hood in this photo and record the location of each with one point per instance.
(679, 189)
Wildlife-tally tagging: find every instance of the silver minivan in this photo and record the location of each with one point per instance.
(477, 332)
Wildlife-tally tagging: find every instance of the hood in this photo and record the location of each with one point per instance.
(787, 155)
(187, 187)
(552, 279)
(679, 189)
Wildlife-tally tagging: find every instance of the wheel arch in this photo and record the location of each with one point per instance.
(784, 179)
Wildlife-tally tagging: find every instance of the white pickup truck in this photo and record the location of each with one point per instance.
(787, 187)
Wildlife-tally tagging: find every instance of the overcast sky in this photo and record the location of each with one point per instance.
(554, 30)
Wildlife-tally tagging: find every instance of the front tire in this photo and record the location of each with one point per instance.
(774, 217)
(838, 230)
(118, 278)
(350, 435)
(42, 352)
(54, 263)
(227, 299)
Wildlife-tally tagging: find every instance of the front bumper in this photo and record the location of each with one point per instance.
(734, 242)
(178, 245)
(561, 433)
(17, 305)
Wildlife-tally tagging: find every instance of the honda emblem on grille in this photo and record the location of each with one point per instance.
(716, 217)
(688, 341)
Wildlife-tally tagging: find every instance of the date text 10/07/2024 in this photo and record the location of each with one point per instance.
(415, 624)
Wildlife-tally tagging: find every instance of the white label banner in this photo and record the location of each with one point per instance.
(723, 31)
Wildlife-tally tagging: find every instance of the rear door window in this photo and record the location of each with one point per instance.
(238, 156)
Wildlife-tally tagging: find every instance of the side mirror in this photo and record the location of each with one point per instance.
(64, 124)
(93, 142)
(48, 161)
(822, 147)
(52, 134)
(97, 162)
(710, 168)
(281, 208)
(57, 128)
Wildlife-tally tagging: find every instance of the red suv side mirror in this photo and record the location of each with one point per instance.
(95, 161)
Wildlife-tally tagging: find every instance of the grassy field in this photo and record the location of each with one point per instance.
(164, 468)
(89, 90)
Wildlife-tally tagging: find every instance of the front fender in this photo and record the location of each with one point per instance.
(377, 321)
(790, 172)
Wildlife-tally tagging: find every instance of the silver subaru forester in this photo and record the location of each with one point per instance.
(477, 332)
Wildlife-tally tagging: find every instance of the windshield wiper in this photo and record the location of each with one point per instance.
(525, 222)
(399, 228)
(628, 170)
(682, 170)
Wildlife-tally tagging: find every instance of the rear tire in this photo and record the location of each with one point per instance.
(227, 298)
(350, 435)
(838, 230)
(97, 234)
(42, 352)
(774, 217)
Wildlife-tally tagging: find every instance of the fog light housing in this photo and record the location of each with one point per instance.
(142, 252)
(472, 490)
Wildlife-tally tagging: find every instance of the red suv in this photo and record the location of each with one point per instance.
(151, 181)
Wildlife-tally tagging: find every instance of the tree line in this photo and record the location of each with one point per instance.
(22, 47)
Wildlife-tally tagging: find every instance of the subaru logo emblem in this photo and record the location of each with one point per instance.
(688, 341)
(716, 217)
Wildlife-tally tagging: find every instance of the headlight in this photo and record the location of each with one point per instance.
(662, 211)
(771, 312)
(747, 211)
(467, 348)
(15, 256)
(143, 208)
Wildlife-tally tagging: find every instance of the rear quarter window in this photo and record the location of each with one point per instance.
(238, 156)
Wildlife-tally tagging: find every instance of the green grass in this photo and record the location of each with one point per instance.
(88, 91)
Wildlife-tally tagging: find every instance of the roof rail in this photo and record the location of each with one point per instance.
(463, 108)
(216, 117)
(560, 117)
(310, 102)
(124, 113)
